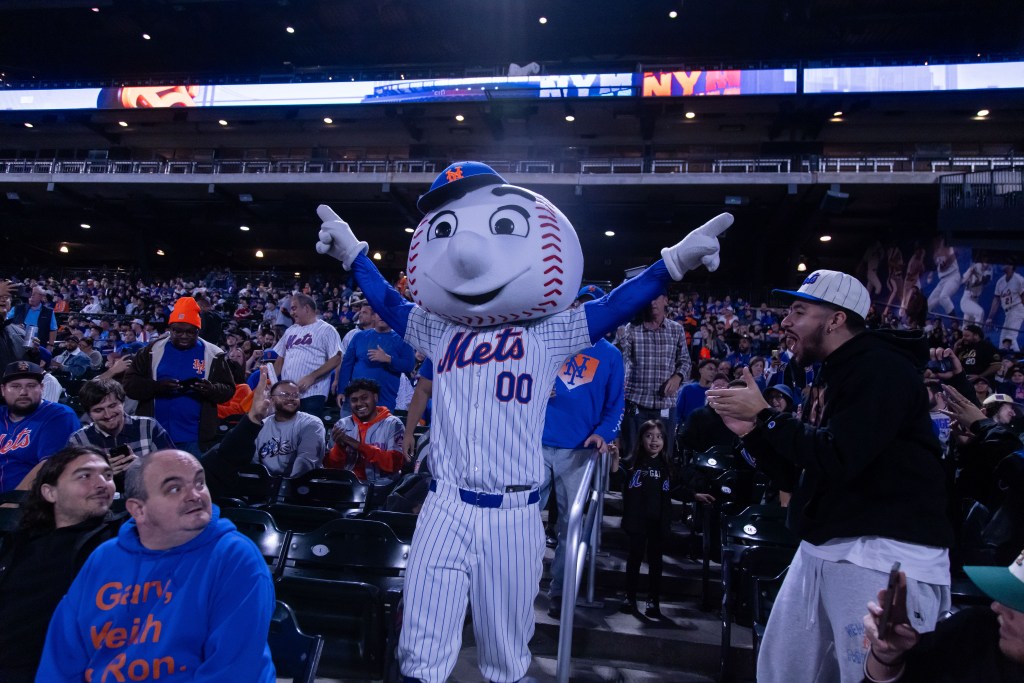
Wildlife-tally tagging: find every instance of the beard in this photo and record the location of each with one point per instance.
(811, 348)
(22, 410)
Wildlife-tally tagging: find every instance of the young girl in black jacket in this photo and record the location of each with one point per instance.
(647, 507)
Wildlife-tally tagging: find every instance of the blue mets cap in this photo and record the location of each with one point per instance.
(593, 291)
(459, 177)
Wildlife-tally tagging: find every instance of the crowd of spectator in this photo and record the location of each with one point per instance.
(100, 344)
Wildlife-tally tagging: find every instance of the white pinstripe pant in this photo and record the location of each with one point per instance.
(492, 556)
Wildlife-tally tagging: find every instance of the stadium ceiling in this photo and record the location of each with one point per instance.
(80, 39)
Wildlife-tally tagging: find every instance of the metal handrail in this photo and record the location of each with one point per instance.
(581, 538)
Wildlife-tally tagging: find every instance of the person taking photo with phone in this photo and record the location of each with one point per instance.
(124, 438)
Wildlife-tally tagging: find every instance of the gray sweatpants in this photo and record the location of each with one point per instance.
(815, 633)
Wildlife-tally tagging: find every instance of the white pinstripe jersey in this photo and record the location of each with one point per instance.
(305, 348)
(491, 388)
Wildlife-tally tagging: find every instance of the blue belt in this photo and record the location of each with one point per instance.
(486, 500)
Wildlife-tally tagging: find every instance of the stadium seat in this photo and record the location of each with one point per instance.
(252, 484)
(402, 523)
(344, 581)
(296, 655)
(260, 527)
(338, 489)
(301, 518)
(756, 550)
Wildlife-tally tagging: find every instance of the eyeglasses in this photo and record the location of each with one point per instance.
(284, 394)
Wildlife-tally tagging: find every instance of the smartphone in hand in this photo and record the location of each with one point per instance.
(890, 601)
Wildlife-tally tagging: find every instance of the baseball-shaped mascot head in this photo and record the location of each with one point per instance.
(487, 252)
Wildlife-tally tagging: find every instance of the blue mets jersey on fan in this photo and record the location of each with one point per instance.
(493, 384)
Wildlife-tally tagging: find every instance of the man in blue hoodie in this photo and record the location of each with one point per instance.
(178, 594)
(584, 413)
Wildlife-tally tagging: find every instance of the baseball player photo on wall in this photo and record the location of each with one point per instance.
(493, 270)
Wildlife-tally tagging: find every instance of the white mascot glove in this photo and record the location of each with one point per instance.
(337, 239)
(700, 246)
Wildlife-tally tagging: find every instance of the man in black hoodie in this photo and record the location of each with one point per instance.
(870, 489)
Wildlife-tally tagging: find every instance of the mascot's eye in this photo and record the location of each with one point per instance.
(443, 224)
(510, 220)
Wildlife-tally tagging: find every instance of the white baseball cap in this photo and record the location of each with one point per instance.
(832, 287)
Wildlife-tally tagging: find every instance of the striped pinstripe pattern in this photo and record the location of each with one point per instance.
(305, 348)
(480, 441)
(491, 388)
(494, 556)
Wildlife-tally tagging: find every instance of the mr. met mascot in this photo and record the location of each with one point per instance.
(493, 269)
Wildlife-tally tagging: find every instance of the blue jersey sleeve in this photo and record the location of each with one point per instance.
(385, 299)
(620, 304)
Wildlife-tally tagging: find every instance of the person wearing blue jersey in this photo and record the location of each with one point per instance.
(180, 379)
(377, 353)
(31, 429)
(691, 395)
(584, 413)
(179, 594)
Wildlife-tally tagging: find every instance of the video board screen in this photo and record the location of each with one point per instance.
(922, 78)
(572, 86)
(725, 82)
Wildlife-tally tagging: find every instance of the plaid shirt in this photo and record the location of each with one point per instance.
(651, 357)
(143, 434)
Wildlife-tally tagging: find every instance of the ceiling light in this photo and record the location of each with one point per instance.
(825, 238)
(86, 226)
(123, 124)
(673, 14)
(328, 119)
(690, 115)
(543, 20)
(95, 9)
(160, 252)
(836, 119)
(259, 253)
(409, 230)
(146, 36)
(243, 228)
(377, 256)
(982, 113)
(297, 273)
(63, 248)
(289, 29)
(609, 233)
(801, 267)
(570, 118)
(837, 114)
(29, 125)
(222, 122)
(460, 118)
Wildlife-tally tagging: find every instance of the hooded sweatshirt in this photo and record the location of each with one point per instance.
(379, 457)
(870, 466)
(198, 612)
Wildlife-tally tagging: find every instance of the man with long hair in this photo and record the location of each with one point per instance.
(67, 515)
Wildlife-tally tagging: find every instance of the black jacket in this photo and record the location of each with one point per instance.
(871, 466)
(24, 650)
(646, 496)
